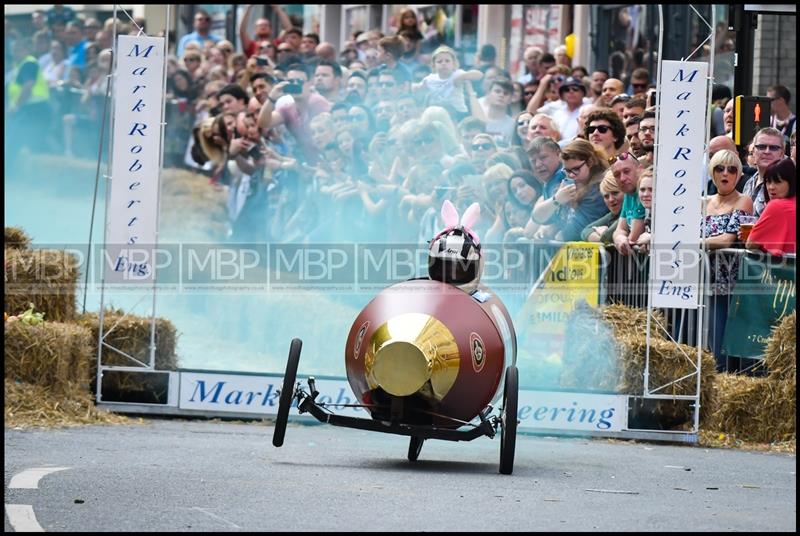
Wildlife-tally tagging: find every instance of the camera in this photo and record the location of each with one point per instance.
(293, 87)
(263, 62)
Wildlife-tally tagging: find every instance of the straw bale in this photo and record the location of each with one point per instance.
(16, 238)
(780, 356)
(50, 354)
(754, 409)
(589, 360)
(131, 334)
(191, 208)
(626, 320)
(36, 405)
(46, 278)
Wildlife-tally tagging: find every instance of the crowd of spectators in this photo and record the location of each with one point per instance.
(363, 144)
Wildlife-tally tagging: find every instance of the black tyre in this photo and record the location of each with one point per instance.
(415, 447)
(508, 430)
(287, 392)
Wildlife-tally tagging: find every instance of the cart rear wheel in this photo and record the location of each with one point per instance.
(287, 392)
(415, 447)
(508, 430)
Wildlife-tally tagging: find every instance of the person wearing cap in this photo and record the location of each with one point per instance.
(572, 91)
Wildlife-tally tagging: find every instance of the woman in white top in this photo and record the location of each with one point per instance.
(56, 70)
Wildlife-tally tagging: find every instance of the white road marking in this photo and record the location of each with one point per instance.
(29, 479)
(22, 518)
(234, 525)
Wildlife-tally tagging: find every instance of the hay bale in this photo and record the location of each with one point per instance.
(754, 409)
(780, 356)
(589, 360)
(669, 361)
(16, 238)
(131, 334)
(51, 354)
(36, 405)
(627, 320)
(46, 278)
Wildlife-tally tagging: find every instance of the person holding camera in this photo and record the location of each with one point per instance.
(292, 103)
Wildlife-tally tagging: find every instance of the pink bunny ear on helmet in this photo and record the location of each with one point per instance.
(469, 219)
(449, 214)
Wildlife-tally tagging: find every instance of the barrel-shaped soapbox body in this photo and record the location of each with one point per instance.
(435, 347)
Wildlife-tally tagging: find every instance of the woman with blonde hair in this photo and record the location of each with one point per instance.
(602, 230)
(578, 200)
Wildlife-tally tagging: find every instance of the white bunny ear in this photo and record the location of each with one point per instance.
(449, 214)
(471, 215)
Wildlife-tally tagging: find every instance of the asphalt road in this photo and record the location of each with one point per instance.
(195, 475)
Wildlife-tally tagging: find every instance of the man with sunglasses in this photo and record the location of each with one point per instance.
(640, 81)
(572, 93)
(769, 148)
(201, 33)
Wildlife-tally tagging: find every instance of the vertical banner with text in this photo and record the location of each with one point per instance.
(676, 258)
(133, 203)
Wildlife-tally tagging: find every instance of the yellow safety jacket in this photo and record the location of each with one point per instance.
(40, 92)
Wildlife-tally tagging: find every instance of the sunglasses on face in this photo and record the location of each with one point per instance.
(202, 19)
(571, 88)
(764, 147)
(602, 128)
(622, 156)
(574, 171)
(481, 146)
(733, 170)
(530, 93)
(639, 86)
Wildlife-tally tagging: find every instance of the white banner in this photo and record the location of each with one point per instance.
(675, 261)
(133, 203)
(258, 394)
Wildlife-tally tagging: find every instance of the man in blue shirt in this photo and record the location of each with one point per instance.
(76, 45)
(202, 26)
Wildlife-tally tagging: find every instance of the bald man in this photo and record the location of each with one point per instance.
(325, 51)
(721, 143)
(611, 88)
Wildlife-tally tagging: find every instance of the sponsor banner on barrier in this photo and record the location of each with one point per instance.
(259, 394)
(763, 295)
(133, 204)
(680, 142)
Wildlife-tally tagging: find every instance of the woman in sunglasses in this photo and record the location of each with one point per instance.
(775, 231)
(724, 211)
(605, 131)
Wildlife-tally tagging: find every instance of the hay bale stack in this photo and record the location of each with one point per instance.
(16, 238)
(589, 360)
(762, 409)
(131, 334)
(46, 278)
(780, 356)
(754, 409)
(36, 405)
(51, 354)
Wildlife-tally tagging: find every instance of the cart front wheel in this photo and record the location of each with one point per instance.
(287, 392)
(415, 447)
(508, 431)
